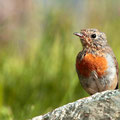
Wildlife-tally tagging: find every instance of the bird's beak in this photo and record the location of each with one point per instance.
(78, 34)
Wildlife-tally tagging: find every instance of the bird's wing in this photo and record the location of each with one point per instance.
(117, 70)
(109, 50)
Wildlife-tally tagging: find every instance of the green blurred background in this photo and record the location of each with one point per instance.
(38, 51)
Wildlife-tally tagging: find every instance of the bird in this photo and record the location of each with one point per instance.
(96, 64)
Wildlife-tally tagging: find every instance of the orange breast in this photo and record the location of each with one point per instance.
(91, 62)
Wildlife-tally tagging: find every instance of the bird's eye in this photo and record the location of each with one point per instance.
(93, 36)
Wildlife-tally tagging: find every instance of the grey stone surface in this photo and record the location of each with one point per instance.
(100, 106)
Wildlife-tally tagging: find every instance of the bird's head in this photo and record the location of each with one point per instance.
(92, 38)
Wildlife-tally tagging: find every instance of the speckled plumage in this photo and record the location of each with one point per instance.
(96, 65)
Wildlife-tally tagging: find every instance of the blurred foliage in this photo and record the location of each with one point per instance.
(38, 52)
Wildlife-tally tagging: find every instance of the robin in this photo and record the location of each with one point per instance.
(96, 64)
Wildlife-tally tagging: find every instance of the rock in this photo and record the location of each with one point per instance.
(100, 106)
